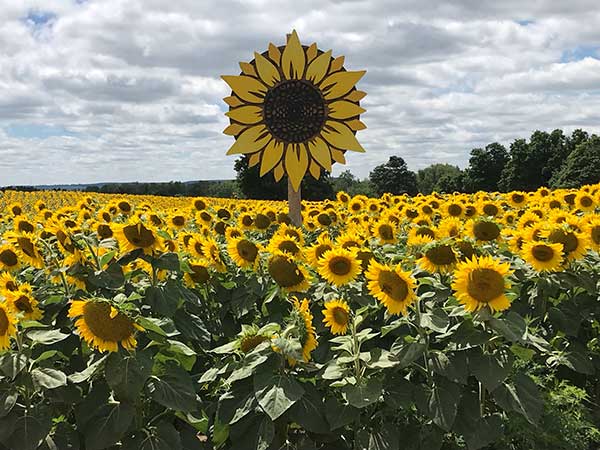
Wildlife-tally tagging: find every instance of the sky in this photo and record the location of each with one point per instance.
(130, 90)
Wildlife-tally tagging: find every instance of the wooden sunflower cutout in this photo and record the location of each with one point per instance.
(294, 109)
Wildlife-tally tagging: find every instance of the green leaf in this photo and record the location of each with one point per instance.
(12, 363)
(46, 337)
(364, 393)
(384, 439)
(127, 375)
(491, 370)
(8, 399)
(108, 426)
(521, 352)
(192, 327)
(162, 437)
(210, 375)
(338, 414)
(523, 398)
(236, 403)
(28, 433)
(468, 334)
(152, 325)
(111, 278)
(255, 432)
(173, 389)
(248, 366)
(443, 403)
(86, 374)
(166, 261)
(160, 301)
(308, 411)
(436, 320)
(578, 360)
(406, 352)
(484, 432)
(276, 393)
(48, 378)
(512, 326)
(398, 392)
(455, 369)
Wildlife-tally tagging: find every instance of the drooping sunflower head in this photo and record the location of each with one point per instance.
(26, 245)
(294, 109)
(23, 304)
(9, 259)
(302, 318)
(482, 281)
(136, 234)
(102, 326)
(543, 256)
(392, 286)
(339, 266)
(287, 274)
(438, 257)
(336, 316)
(198, 273)
(243, 252)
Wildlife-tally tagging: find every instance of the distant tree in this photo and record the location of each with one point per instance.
(350, 184)
(451, 182)
(485, 168)
(394, 177)
(533, 164)
(581, 167)
(252, 185)
(428, 179)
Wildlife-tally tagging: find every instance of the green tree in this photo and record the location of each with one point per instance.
(533, 164)
(581, 167)
(451, 182)
(428, 179)
(485, 168)
(350, 184)
(252, 185)
(394, 177)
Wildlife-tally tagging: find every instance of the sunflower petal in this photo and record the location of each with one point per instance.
(338, 156)
(233, 101)
(247, 114)
(293, 58)
(340, 136)
(278, 171)
(296, 163)
(248, 69)
(311, 52)
(315, 170)
(250, 141)
(356, 96)
(356, 125)
(254, 159)
(344, 110)
(337, 64)
(246, 88)
(319, 150)
(274, 54)
(234, 129)
(318, 68)
(266, 70)
(271, 156)
(340, 83)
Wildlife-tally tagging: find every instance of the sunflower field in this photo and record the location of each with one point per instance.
(421, 323)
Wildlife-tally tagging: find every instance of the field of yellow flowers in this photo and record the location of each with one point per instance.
(429, 322)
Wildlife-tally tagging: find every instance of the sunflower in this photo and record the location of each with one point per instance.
(7, 326)
(285, 244)
(294, 109)
(385, 231)
(212, 254)
(483, 230)
(450, 227)
(421, 235)
(438, 257)
(15, 208)
(302, 318)
(574, 242)
(22, 302)
(584, 201)
(198, 273)
(21, 224)
(251, 337)
(135, 234)
(482, 281)
(287, 274)
(392, 286)
(336, 316)
(543, 256)
(9, 259)
(26, 245)
(593, 232)
(243, 252)
(102, 326)
(339, 266)
(316, 251)
(517, 199)
(176, 220)
(8, 283)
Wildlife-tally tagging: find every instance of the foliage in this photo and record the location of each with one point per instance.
(198, 323)
(485, 168)
(394, 177)
(582, 166)
(439, 178)
(348, 183)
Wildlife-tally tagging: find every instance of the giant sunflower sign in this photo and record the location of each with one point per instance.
(294, 109)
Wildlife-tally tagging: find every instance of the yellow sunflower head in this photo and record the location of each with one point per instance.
(392, 286)
(27, 248)
(136, 234)
(438, 257)
(482, 281)
(294, 109)
(23, 304)
(287, 274)
(340, 266)
(243, 252)
(543, 256)
(102, 326)
(7, 326)
(9, 258)
(336, 316)
(302, 318)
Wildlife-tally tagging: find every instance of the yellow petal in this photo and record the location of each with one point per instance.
(113, 312)
(296, 163)
(250, 141)
(248, 69)
(246, 114)
(355, 125)
(314, 170)
(318, 68)
(271, 156)
(274, 54)
(254, 159)
(356, 96)
(278, 172)
(343, 109)
(311, 52)
(293, 58)
(233, 101)
(340, 83)
(340, 136)
(337, 64)
(266, 70)
(319, 151)
(234, 129)
(246, 88)
(338, 156)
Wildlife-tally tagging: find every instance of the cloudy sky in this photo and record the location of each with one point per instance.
(129, 90)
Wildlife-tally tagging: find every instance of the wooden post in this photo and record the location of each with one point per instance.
(295, 212)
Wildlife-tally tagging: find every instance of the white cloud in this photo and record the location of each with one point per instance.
(130, 89)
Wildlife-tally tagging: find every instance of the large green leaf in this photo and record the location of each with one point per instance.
(192, 327)
(255, 432)
(28, 433)
(12, 363)
(454, 369)
(164, 436)
(86, 374)
(522, 397)
(308, 411)
(443, 402)
(47, 378)
(338, 414)
(490, 369)
(276, 393)
(127, 375)
(8, 399)
(406, 352)
(173, 389)
(512, 326)
(484, 432)
(46, 337)
(108, 426)
(364, 393)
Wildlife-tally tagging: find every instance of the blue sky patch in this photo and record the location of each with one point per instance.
(39, 18)
(32, 131)
(580, 52)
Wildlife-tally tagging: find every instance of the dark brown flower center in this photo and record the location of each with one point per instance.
(455, 210)
(294, 111)
(97, 318)
(262, 221)
(340, 316)
(23, 304)
(321, 249)
(484, 285)
(139, 236)
(393, 285)
(8, 258)
(199, 273)
(568, 240)
(247, 250)
(25, 226)
(386, 232)
(26, 246)
(486, 231)
(542, 252)
(285, 273)
(490, 209)
(441, 255)
(596, 234)
(340, 265)
(3, 322)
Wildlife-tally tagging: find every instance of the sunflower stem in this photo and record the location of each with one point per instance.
(356, 348)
